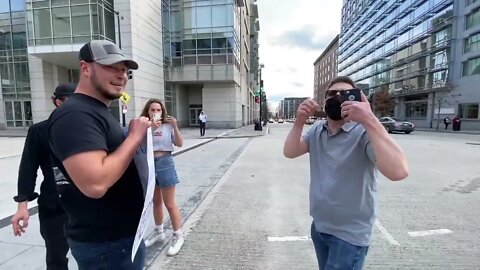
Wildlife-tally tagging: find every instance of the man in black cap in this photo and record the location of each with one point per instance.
(100, 188)
(36, 153)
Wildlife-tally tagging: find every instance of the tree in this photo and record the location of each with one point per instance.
(383, 103)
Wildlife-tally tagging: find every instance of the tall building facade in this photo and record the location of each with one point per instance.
(15, 94)
(289, 106)
(325, 68)
(58, 28)
(210, 50)
(196, 55)
(425, 52)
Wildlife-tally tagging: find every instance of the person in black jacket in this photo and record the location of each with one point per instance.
(36, 153)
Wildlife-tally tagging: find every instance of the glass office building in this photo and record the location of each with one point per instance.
(411, 48)
(208, 50)
(69, 21)
(193, 54)
(205, 32)
(16, 102)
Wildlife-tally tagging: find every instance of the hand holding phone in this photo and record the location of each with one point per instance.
(157, 117)
(351, 95)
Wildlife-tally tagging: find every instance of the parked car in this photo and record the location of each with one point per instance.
(393, 124)
(280, 121)
(311, 120)
(271, 121)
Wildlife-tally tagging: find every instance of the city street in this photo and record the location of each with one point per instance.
(265, 195)
(245, 206)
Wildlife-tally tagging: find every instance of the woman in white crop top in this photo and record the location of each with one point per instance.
(165, 135)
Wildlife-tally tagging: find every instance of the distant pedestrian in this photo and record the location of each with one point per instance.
(165, 135)
(345, 152)
(456, 123)
(447, 122)
(100, 187)
(36, 153)
(203, 123)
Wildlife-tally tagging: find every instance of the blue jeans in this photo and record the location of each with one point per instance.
(335, 254)
(107, 255)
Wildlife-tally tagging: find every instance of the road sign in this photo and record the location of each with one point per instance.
(125, 98)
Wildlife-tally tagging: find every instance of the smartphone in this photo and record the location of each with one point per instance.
(157, 117)
(351, 95)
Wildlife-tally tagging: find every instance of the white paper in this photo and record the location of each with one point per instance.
(147, 212)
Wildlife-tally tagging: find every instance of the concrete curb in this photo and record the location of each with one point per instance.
(449, 131)
(188, 211)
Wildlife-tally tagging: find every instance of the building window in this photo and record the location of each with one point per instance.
(416, 110)
(473, 19)
(472, 43)
(471, 67)
(65, 24)
(468, 111)
(469, 2)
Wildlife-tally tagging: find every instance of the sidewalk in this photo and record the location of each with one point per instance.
(198, 170)
(472, 132)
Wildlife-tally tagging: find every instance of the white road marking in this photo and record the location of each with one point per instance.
(288, 238)
(386, 234)
(429, 232)
(438, 171)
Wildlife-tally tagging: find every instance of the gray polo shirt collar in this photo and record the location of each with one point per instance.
(347, 127)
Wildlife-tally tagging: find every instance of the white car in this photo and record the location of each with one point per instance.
(280, 121)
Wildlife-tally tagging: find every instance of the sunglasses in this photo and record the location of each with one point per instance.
(332, 93)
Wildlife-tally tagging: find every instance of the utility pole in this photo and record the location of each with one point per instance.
(123, 106)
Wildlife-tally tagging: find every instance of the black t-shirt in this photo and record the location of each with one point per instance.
(84, 124)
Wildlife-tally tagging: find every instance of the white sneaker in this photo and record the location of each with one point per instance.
(175, 245)
(155, 237)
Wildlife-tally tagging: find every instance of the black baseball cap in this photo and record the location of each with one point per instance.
(64, 89)
(104, 52)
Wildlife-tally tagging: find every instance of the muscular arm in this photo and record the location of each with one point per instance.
(79, 141)
(294, 145)
(390, 158)
(94, 172)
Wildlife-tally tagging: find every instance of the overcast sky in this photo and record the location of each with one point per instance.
(293, 34)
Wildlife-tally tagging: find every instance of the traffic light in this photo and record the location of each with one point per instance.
(129, 74)
(261, 85)
(257, 99)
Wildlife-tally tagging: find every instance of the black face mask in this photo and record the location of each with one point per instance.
(333, 108)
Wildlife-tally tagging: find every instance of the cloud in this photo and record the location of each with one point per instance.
(297, 84)
(292, 36)
(304, 37)
(275, 98)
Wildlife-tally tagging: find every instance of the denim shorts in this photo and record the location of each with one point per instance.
(165, 173)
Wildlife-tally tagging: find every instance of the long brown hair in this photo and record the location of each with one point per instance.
(147, 107)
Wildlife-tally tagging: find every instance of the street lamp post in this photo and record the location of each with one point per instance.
(260, 91)
(123, 106)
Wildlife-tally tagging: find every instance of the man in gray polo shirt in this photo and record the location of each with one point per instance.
(345, 152)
